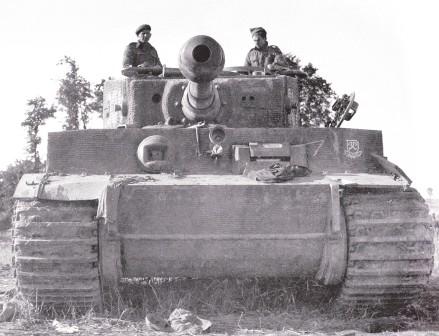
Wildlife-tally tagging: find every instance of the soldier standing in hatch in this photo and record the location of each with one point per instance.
(262, 54)
(141, 53)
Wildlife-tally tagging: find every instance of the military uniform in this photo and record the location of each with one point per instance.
(137, 53)
(260, 57)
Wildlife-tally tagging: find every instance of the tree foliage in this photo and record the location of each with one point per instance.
(75, 95)
(35, 118)
(98, 98)
(430, 192)
(8, 182)
(316, 93)
(316, 96)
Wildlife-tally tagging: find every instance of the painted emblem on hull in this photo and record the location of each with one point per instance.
(352, 150)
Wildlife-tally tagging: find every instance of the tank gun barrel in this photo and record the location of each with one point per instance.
(201, 60)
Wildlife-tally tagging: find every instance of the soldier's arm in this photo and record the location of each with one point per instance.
(156, 55)
(247, 60)
(128, 57)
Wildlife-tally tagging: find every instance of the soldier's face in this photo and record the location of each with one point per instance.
(259, 40)
(144, 36)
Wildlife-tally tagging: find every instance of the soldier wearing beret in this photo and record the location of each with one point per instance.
(262, 54)
(141, 53)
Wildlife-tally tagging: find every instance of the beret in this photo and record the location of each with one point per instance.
(258, 30)
(142, 28)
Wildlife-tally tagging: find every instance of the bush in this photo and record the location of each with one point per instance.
(8, 182)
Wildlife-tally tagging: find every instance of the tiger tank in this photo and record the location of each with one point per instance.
(203, 171)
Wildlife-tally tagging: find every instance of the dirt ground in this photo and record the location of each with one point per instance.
(307, 317)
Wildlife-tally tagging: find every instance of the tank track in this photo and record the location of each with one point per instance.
(390, 247)
(55, 248)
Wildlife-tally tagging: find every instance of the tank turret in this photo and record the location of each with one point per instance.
(201, 90)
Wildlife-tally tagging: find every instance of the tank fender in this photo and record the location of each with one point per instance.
(54, 187)
(391, 168)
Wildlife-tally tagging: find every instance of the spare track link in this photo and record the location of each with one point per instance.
(390, 247)
(55, 248)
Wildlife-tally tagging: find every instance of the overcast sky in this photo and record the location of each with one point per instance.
(384, 50)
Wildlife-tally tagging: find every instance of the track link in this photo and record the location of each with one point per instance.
(390, 247)
(55, 249)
